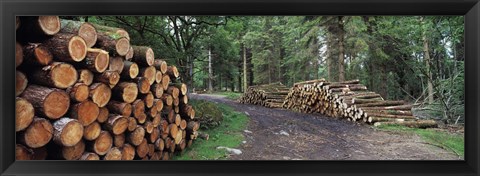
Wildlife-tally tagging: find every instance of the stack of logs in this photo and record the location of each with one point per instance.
(269, 95)
(84, 93)
(351, 100)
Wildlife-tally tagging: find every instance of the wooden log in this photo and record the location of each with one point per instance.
(165, 81)
(142, 149)
(156, 120)
(33, 54)
(178, 119)
(383, 103)
(170, 114)
(67, 131)
(103, 114)
(143, 55)
(21, 83)
(85, 30)
(181, 87)
(78, 92)
(113, 154)
(116, 107)
(116, 124)
(153, 136)
(102, 144)
(392, 112)
(125, 91)
(172, 72)
(187, 112)
(158, 76)
(89, 156)
(24, 113)
(183, 124)
(193, 126)
(381, 115)
(147, 99)
(183, 100)
(165, 156)
(157, 90)
(113, 43)
(92, 131)
(48, 102)
(158, 104)
(108, 77)
(400, 107)
(96, 60)
(67, 47)
(119, 140)
(116, 64)
(74, 152)
(58, 74)
(160, 65)
(411, 124)
(100, 94)
(174, 91)
(128, 152)
(85, 76)
(167, 99)
(23, 153)
(38, 28)
(149, 73)
(129, 55)
(136, 136)
(85, 112)
(148, 126)
(152, 112)
(113, 31)
(18, 54)
(37, 134)
(181, 145)
(132, 124)
(159, 144)
(138, 108)
(142, 84)
(130, 70)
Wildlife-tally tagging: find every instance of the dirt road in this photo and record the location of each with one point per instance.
(279, 134)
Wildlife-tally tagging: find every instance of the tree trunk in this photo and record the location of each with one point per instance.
(92, 131)
(85, 112)
(100, 94)
(84, 30)
(341, 50)
(68, 47)
(125, 91)
(426, 57)
(67, 132)
(34, 54)
(24, 113)
(37, 134)
(245, 85)
(58, 74)
(143, 56)
(130, 70)
(48, 102)
(21, 83)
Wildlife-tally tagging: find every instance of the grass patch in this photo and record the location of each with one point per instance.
(230, 95)
(228, 134)
(448, 141)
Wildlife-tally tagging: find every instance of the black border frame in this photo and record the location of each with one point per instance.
(469, 8)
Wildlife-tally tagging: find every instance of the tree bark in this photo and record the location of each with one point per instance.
(125, 91)
(85, 30)
(67, 132)
(160, 65)
(96, 60)
(48, 102)
(34, 54)
(68, 47)
(143, 55)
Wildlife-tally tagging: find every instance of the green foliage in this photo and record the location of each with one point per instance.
(448, 141)
(208, 113)
(228, 134)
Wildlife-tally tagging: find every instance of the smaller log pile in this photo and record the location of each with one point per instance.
(351, 100)
(269, 95)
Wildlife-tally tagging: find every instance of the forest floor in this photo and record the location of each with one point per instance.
(279, 134)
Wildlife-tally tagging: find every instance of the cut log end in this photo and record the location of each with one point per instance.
(24, 113)
(56, 104)
(78, 92)
(122, 46)
(68, 132)
(92, 131)
(21, 83)
(49, 24)
(100, 94)
(38, 134)
(77, 48)
(85, 112)
(61, 75)
(103, 143)
(88, 33)
(86, 77)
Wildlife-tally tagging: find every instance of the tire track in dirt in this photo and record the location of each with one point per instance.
(317, 137)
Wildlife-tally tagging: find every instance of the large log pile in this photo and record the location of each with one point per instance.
(351, 100)
(85, 93)
(269, 95)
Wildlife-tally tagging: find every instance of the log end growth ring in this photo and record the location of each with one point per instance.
(122, 46)
(77, 48)
(49, 24)
(56, 104)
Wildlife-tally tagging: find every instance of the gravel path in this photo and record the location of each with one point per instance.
(279, 134)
